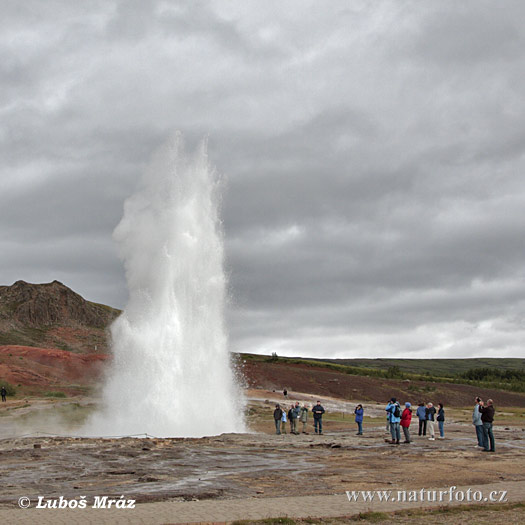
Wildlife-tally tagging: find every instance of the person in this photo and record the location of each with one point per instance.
(487, 416)
(478, 424)
(359, 419)
(277, 416)
(296, 413)
(430, 413)
(393, 411)
(291, 419)
(283, 422)
(4, 394)
(318, 412)
(304, 417)
(406, 418)
(285, 393)
(441, 420)
(421, 413)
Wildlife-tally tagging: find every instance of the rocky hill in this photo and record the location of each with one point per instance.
(52, 315)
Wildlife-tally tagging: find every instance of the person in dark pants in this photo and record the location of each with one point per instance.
(318, 412)
(487, 416)
(421, 413)
(441, 420)
(4, 394)
(359, 419)
(277, 415)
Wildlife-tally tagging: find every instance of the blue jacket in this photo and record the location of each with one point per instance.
(358, 415)
(421, 413)
(390, 412)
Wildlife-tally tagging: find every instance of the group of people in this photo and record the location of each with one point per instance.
(397, 419)
(296, 414)
(482, 419)
(427, 414)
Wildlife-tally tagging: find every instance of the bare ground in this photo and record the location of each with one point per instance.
(259, 464)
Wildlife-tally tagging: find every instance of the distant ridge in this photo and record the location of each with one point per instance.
(446, 367)
(51, 315)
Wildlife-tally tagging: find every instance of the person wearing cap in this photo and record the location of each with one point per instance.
(277, 415)
(406, 418)
(393, 411)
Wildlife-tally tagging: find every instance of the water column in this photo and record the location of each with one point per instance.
(171, 373)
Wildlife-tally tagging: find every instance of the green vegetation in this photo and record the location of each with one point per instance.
(26, 336)
(11, 390)
(54, 394)
(444, 514)
(267, 521)
(509, 375)
(435, 367)
(513, 380)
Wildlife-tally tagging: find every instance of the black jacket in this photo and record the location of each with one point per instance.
(487, 414)
(277, 414)
(430, 413)
(318, 411)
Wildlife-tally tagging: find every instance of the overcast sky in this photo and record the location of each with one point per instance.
(374, 155)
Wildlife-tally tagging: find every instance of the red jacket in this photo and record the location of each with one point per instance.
(406, 417)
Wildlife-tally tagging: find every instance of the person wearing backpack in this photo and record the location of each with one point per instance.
(406, 418)
(393, 411)
(430, 412)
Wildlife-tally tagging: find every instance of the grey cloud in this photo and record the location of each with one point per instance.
(372, 158)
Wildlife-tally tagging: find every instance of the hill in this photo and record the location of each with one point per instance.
(311, 377)
(52, 315)
(438, 367)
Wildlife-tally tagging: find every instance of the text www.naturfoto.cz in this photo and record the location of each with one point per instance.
(426, 495)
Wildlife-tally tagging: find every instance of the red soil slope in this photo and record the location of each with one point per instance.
(44, 367)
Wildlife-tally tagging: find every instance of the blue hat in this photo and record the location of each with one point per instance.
(407, 404)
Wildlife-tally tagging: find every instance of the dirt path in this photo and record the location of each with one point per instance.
(336, 505)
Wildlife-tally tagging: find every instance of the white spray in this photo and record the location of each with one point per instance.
(171, 373)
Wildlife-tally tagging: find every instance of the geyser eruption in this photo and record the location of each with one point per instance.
(171, 373)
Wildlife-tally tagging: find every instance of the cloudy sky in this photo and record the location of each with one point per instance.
(374, 155)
